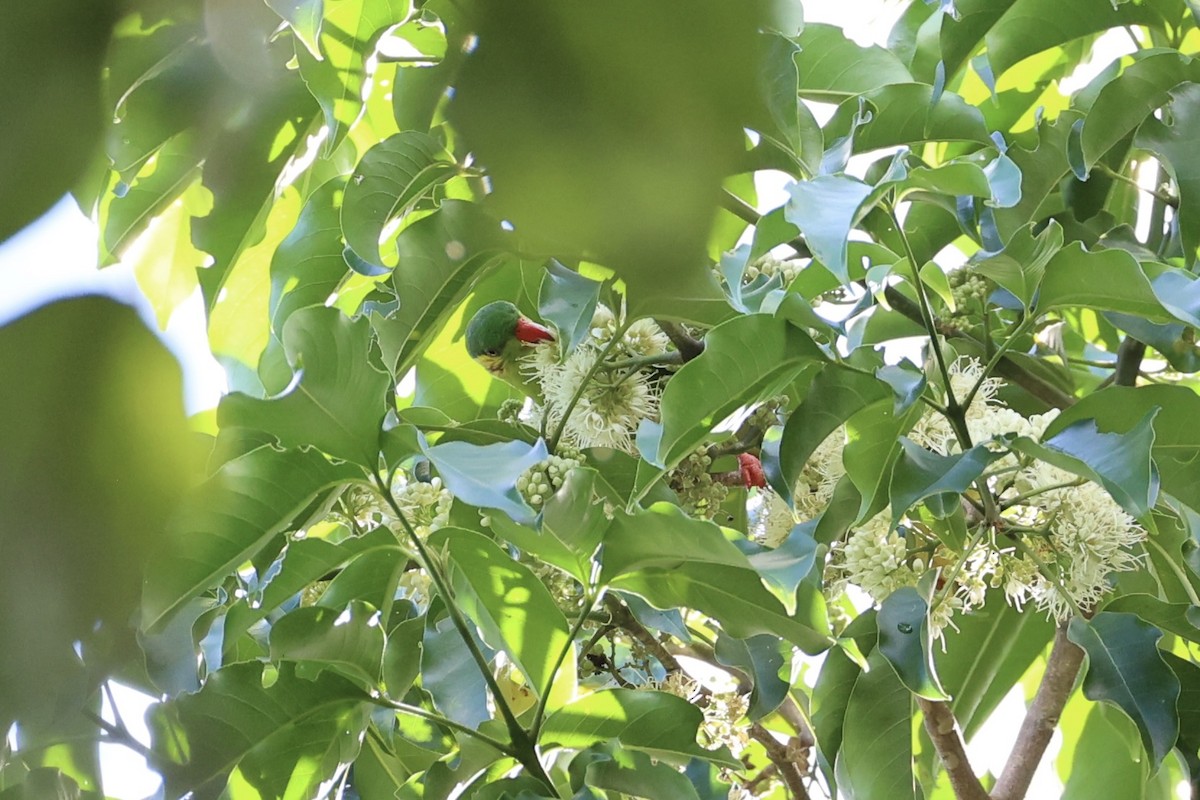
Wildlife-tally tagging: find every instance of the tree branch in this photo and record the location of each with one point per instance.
(1062, 666)
(688, 346)
(943, 732)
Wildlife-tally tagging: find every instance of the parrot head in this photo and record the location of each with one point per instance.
(496, 334)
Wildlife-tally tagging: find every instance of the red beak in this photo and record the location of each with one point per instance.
(530, 332)
(752, 471)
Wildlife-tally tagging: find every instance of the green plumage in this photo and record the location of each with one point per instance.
(492, 341)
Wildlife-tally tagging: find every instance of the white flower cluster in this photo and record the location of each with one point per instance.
(1058, 540)
(546, 477)
(769, 265)
(426, 506)
(614, 401)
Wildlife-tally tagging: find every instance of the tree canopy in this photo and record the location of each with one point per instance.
(558, 463)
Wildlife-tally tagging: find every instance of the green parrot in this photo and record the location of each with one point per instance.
(496, 336)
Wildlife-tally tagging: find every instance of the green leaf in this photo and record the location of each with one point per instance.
(920, 474)
(486, 475)
(872, 448)
(1012, 31)
(1170, 617)
(1120, 462)
(568, 170)
(1108, 743)
(1125, 669)
(832, 67)
(1176, 438)
(1188, 705)
(96, 457)
(335, 71)
(1019, 267)
(230, 518)
(830, 696)
(54, 123)
(826, 209)
(635, 773)
(440, 256)
(572, 525)
(350, 641)
(905, 114)
(734, 597)
(43, 783)
(905, 642)
(450, 675)
(304, 561)
(787, 122)
(1072, 279)
(308, 266)
(568, 300)
(336, 401)
(1171, 143)
(1042, 169)
(1125, 101)
(402, 657)
(875, 759)
(784, 567)
(657, 723)
(987, 655)
(389, 180)
(276, 740)
(836, 394)
(744, 360)
(512, 607)
(304, 18)
(662, 536)
(760, 658)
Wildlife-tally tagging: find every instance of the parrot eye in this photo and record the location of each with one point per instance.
(492, 352)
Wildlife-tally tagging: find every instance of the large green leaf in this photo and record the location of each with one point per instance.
(634, 773)
(1013, 31)
(308, 266)
(1169, 617)
(587, 153)
(654, 722)
(1188, 674)
(230, 518)
(905, 113)
(572, 525)
(662, 536)
(568, 301)
(833, 67)
(513, 609)
(440, 256)
(349, 641)
(830, 696)
(1019, 267)
(51, 55)
(451, 676)
(96, 454)
(336, 401)
(1176, 437)
(872, 448)
(760, 657)
(734, 597)
(744, 360)
(1042, 169)
(304, 18)
(1106, 280)
(1172, 143)
(875, 759)
(1125, 669)
(304, 561)
(1108, 743)
(277, 741)
(486, 475)
(1125, 101)
(785, 121)
(336, 70)
(920, 474)
(826, 209)
(905, 642)
(391, 178)
(837, 393)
